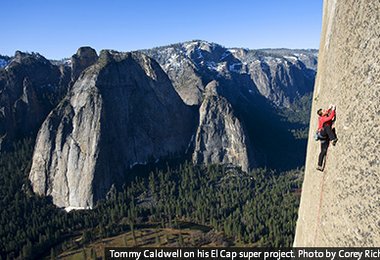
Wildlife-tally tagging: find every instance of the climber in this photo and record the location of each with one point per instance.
(325, 132)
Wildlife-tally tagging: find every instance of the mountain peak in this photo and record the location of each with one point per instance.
(85, 57)
(27, 58)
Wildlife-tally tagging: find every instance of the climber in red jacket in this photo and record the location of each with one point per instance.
(326, 133)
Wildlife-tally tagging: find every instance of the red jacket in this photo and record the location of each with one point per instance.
(326, 119)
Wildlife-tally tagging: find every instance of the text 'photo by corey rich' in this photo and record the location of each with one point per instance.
(211, 129)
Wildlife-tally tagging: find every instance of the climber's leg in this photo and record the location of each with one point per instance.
(322, 154)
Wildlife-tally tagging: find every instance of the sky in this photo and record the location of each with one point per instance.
(57, 28)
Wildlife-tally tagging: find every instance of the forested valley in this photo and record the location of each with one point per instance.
(258, 208)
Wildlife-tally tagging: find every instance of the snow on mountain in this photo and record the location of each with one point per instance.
(271, 71)
(64, 62)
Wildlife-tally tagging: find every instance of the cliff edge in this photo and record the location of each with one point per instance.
(341, 206)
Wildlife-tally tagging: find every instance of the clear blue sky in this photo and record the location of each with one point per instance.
(56, 28)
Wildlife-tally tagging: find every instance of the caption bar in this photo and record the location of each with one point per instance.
(242, 253)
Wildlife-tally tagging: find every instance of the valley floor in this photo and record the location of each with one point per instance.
(192, 235)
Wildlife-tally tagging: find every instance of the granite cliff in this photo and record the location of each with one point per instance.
(121, 111)
(340, 207)
(221, 137)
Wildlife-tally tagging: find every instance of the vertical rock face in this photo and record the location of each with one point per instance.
(221, 136)
(27, 85)
(123, 110)
(341, 206)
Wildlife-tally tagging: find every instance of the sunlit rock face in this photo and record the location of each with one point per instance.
(340, 207)
(221, 137)
(121, 110)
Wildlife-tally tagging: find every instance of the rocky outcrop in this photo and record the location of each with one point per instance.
(121, 111)
(221, 137)
(28, 87)
(85, 57)
(182, 72)
(340, 207)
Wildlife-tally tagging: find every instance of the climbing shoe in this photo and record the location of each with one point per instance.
(334, 141)
(320, 168)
